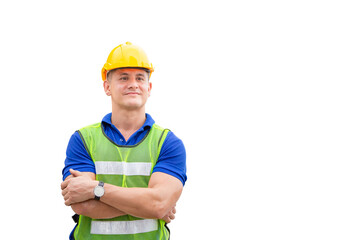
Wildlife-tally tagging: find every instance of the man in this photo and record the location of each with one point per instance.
(123, 176)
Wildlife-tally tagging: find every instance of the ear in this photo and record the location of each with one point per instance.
(149, 88)
(106, 85)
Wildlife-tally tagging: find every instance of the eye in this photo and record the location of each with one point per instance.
(140, 79)
(123, 78)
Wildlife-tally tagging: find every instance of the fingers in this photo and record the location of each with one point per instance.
(65, 196)
(67, 201)
(68, 198)
(172, 216)
(66, 181)
(167, 220)
(75, 173)
(64, 184)
(64, 190)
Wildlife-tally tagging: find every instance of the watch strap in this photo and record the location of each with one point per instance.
(101, 184)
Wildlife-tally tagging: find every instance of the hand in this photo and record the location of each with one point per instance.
(77, 188)
(170, 215)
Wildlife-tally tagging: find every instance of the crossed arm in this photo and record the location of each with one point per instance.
(157, 201)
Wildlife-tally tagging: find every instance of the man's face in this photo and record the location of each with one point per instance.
(129, 88)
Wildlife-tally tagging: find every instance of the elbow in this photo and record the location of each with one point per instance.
(162, 206)
(160, 210)
(80, 208)
(159, 214)
(77, 209)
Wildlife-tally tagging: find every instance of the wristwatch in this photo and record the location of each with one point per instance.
(99, 190)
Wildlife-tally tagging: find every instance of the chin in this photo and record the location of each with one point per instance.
(134, 106)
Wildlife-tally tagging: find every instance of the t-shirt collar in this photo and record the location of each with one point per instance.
(148, 122)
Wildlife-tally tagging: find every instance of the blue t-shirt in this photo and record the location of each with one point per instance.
(172, 158)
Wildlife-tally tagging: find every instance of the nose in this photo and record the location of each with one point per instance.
(132, 83)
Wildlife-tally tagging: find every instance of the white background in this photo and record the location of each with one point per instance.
(264, 94)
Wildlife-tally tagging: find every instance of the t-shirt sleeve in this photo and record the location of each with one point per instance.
(172, 158)
(77, 157)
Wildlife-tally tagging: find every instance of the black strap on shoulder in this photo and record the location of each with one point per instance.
(76, 218)
(83, 140)
(162, 134)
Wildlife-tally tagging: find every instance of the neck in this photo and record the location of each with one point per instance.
(128, 120)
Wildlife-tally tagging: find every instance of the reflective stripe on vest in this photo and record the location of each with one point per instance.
(123, 168)
(123, 227)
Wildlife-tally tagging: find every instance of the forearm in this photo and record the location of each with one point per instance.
(139, 202)
(155, 201)
(96, 209)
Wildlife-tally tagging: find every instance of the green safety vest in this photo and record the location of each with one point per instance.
(123, 166)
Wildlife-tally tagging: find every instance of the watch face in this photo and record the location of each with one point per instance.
(99, 191)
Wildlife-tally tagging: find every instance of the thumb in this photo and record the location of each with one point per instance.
(75, 173)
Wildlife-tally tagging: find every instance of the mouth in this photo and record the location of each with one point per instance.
(132, 93)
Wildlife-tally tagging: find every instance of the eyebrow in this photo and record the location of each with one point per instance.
(138, 74)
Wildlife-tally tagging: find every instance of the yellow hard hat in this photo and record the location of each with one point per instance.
(126, 55)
